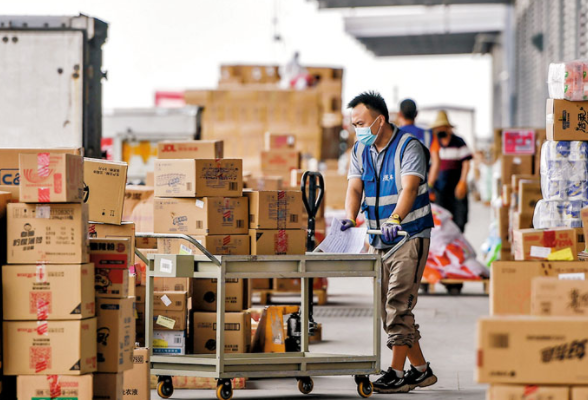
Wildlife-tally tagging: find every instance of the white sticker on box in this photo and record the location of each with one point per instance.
(540, 252)
(185, 250)
(577, 276)
(199, 204)
(43, 212)
(165, 266)
(165, 300)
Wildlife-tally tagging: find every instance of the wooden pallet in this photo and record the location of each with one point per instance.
(428, 288)
(265, 295)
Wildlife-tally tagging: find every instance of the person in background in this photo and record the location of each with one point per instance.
(450, 181)
(407, 115)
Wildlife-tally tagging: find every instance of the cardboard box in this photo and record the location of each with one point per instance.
(138, 207)
(504, 392)
(335, 190)
(503, 225)
(559, 297)
(521, 221)
(510, 286)
(48, 291)
(199, 178)
(179, 323)
(515, 165)
(280, 160)
(41, 387)
(237, 332)
(169, 342)
(275, 210)
(172, 284)
(517, 178)
(267, 182)
(140, 265)
(116, 334)
(103, 177)
(275, 242)
(526, 349)
(506, 195)
(566, 120)
(136, 380)
(261, 283)
(51, 178)
(287, 284)
(170, 301)
(13, 190)
(108, 386)
(48, 233)
(49, 347)
(209, 215)
(529, 195)
(190, 149)
(279, 141)
(111, 258)
(237, 295)
(150, 179)
(579, 393)
(9, 161)
(216, 244)
(535, 244)
(126, 230)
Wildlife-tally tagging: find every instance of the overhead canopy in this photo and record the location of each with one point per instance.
(385, 3)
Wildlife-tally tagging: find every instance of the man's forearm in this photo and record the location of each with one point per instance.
(465, 170)
(434, 170)
(352, 202)
(405, 202)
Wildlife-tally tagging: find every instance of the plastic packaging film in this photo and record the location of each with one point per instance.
(568, 80)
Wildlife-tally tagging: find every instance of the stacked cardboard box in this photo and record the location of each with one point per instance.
(279, 158)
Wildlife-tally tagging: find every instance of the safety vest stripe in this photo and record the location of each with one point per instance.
(393, 198)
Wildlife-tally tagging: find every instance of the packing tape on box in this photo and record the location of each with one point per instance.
(281, 242)
(54, 386)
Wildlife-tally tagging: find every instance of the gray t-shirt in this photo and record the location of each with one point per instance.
(413, 163)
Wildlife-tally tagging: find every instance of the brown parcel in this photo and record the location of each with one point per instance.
(108, 386)
(510, 286)
(237, 332)
(42, 387)
(237, 295)
(172, 284)
(579, 393)
(49, 233)
(566, 120)
(111, 258)
(136, 380)
(529, 349)
(536, 244)
(101, 178)
(162, 320)
(199, 178)
(504, 392)
(138, 207)
(116, 334)
(275, 242)
(216, 244)
(49, 348)
(209, 215)
(51, 291)
(51, 178)
(561, 298)
(515, 165)
(283, 160)
(275, 209)
(529, 195)
(126, 230)
(170, 301)
(190, 149)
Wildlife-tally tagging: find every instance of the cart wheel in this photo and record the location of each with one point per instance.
(165, 389)
(224, 390)
(305, 385)
(454, 290)
(361, 378)
(365, 389)
(425, 287)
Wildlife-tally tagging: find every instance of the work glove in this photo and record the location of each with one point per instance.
(346, 224)
(461, 190)
(390, 229)
(432, 196)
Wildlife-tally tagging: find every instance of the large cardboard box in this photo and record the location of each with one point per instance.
(111, 258)
(566, 120)
(510, 286)
(579, 393)
(48, 233)
(49, 347)
(266, 182)
(536, 244)
(275, 209)
(335, 190)
(529, 195)
(170, 301)
(138, 207)
(237, 332)
(216, 244)
(559, 297)
(512, 392)
(108, 386)
(199, 178)
(515, 165)
(116, 334)
(136, 380)
(42, 387)
(48, 291)
(527, 349)
(280, 160)
(9, 161)
(208, 215)
(275, 242)
(101, 178)
(190, 149)
(237, 295)
(51, 178)
(279, 141)
(503, 225)
(169, 342)
(126, 230)
(172, 285)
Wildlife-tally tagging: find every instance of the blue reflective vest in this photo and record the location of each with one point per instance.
(425, 136)
(381, 192)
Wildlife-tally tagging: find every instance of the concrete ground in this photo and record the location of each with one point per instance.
(447, 323)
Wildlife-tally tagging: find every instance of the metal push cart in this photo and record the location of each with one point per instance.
(301, 365)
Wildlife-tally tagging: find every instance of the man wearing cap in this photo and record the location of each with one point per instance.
(389, 170)
(450, 182)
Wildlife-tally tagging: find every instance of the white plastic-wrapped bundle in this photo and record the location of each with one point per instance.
(568, 80)
(564, 170)
(558, 213)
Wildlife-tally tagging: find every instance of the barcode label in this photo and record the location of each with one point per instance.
(293, 218)
(178, 340)
(240, 223)
(233, 186)
(199, 224)
(228, 327)
(499, 341)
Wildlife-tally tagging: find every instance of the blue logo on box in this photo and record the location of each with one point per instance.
(9, 177)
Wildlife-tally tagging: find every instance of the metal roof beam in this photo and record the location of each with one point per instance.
(386, 3)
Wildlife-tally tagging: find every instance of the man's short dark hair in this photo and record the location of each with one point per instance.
(408, 109)
(373, 101)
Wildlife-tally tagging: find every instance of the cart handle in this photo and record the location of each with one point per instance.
(174, 236)
(396, 247)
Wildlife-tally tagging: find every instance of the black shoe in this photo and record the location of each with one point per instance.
(416, 379)
(390, 383)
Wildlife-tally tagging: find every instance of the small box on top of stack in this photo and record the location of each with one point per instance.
(280, 157)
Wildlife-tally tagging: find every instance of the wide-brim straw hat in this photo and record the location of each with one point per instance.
(441, 120)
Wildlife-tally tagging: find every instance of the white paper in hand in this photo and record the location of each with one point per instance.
(350, 241)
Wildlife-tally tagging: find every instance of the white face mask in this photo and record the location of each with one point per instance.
(364, 134)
